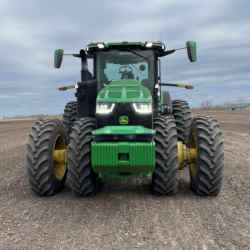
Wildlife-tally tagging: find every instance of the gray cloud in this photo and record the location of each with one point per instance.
(31, 30)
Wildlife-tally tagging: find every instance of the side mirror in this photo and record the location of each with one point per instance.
(192, 51)
(58, 56)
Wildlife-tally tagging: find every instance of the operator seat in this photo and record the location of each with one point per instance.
(127, 75)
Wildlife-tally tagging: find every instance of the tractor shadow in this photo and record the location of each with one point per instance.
(184, 188)
(140, 187)
(126, 186)
(135, 186)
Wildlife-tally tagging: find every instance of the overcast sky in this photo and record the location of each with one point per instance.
(31, 30)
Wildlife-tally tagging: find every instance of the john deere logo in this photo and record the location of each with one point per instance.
(123, 120)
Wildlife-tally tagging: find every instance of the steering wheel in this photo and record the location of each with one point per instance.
(125, 69)
(126, 72)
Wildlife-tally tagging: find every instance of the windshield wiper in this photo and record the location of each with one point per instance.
(138, 54)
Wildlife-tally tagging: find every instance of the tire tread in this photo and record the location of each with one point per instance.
(164, 179)
(211, 157)
(40, 173)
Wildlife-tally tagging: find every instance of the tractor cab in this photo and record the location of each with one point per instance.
(125, 60)
(120, 65)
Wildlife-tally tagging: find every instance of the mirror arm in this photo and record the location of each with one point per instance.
(168, 52)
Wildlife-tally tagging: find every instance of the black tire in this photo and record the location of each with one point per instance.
(167, 103)
(164, 179)
(183, 119)
(43, 139)
(206, 136)
(69, 116)
(83, 181)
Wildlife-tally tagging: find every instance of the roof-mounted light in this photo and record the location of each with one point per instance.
(149, 44)
(100, 46)
(156, 44)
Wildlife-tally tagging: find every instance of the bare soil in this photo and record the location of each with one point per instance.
(125, 215)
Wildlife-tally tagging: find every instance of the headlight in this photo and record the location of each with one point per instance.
(104, 108)
(143, 108)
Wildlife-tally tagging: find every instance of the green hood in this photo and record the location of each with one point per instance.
(125, 90)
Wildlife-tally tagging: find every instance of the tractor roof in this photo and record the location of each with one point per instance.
(100, 46)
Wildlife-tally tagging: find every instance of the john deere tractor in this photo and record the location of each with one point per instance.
(124, 124)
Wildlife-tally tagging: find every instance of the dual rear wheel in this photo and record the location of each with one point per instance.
(46, 176)
(50, 158)
(206, 173)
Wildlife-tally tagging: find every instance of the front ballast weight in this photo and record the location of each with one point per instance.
(102, 151)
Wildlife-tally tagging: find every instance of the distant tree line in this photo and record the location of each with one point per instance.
(208, 103)
(38, 116)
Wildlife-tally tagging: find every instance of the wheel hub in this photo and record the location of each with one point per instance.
(60, 158)
(187, 156)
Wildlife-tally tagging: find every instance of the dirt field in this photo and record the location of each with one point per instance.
(125, 215)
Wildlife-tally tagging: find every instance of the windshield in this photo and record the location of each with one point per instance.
(132, 64)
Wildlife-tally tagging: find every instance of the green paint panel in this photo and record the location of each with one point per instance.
(123, 130)
(123, 157)
(125, 90)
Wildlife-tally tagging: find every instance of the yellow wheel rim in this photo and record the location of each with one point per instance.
(194, 163)
(60, 157)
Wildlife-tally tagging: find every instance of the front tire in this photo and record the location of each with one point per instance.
(46, 177)
(83, 181)
(207, 172)
(164, 179)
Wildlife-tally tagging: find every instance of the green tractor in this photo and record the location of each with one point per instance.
(124, 124)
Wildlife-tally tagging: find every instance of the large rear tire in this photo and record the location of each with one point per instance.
(183, 119)
(83, 181)
(164, 179)
(207, 172)
(69, 116)
(46, 177)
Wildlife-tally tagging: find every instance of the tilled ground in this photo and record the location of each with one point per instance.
(125, 215)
